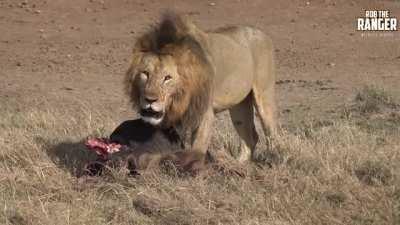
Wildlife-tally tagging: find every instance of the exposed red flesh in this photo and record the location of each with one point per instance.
(102, 146)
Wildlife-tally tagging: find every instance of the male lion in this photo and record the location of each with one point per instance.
(181, 76)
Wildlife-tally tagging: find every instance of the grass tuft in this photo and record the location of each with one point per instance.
(336, 198)
(373, 173)
(372, 99)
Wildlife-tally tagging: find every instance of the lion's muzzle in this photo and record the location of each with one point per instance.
(151, 113)
(152, 109)
(151, 116)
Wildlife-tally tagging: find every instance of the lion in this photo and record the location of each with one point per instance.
(181, 76)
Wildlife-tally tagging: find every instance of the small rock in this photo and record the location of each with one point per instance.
(23, 4)
(41, 30)
(211, 4)
(307, 3)
(38, 11)
(75, 28)
(331, 64)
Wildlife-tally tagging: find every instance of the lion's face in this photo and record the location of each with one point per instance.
(156, 80)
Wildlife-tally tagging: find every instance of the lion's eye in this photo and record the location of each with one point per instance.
(167, 78)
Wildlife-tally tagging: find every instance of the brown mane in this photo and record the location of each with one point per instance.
(179, 38)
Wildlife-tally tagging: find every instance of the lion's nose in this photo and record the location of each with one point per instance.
(151, 99)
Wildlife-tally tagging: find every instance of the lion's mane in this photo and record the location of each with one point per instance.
(176, 37)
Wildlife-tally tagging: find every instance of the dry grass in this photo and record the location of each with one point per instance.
(373, 99)
(325, 173)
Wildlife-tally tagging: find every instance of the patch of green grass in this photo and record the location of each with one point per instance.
(374, 110)
(372, 99)
(308, 166)
(373, 173)
(389, 122)
(335, 198)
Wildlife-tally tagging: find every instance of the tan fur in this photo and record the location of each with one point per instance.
(230, 68)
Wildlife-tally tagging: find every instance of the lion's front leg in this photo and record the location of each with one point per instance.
(201, 136)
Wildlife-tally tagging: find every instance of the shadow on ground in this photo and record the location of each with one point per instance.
(71, 156)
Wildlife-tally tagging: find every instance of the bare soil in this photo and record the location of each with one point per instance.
(61, 51)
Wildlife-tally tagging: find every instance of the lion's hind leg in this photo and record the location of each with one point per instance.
(264, 86)
(264, 102)
(242, 116)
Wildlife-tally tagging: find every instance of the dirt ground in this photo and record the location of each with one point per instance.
(63, 51)
(62, 65)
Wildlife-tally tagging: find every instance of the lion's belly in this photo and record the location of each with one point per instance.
(234, 76)
(230, 92)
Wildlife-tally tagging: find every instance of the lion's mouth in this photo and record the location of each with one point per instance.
(151, 113)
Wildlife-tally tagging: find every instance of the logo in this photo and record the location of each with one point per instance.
(377, 20)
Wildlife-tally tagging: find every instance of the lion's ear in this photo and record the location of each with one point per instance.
(143, 44)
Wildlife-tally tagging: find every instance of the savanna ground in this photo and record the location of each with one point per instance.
(336, 160)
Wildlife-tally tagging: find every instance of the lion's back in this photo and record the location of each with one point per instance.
(243, 35)
(235, 53)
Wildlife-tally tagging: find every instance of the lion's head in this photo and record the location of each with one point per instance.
(169, 78)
